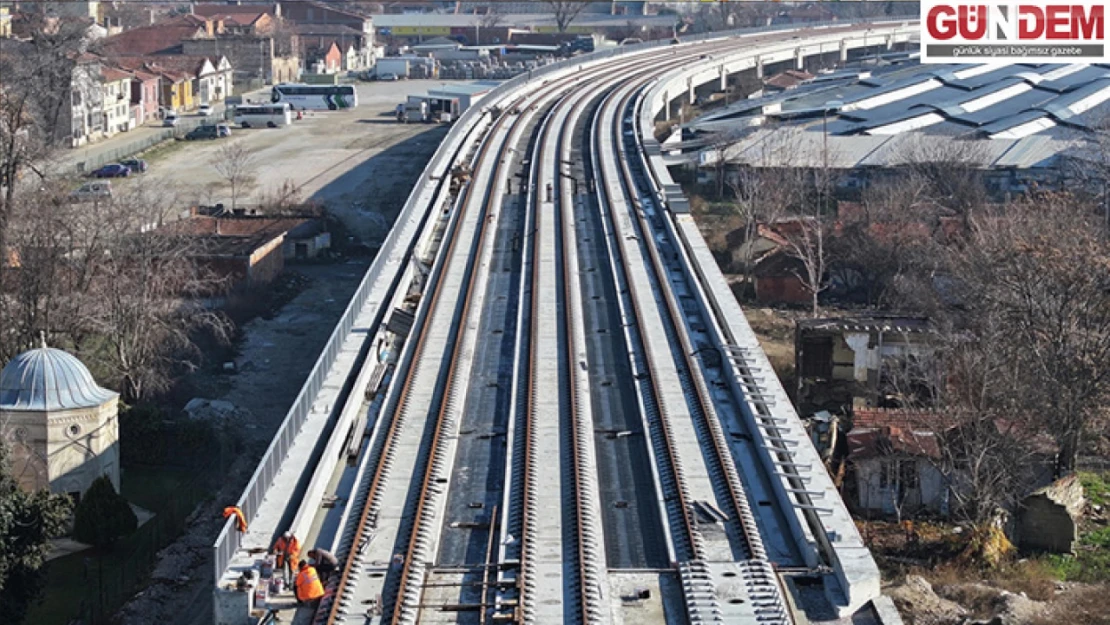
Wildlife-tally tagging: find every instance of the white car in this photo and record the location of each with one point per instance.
(388, 76)
(92, 191)
(170, 120)
(205, 110)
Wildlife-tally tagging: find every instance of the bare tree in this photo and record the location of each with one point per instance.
(1043, 267)
(762, 196)
(90, 278)
(966, 394)
(951, 171)
(808, 244)
(235, 163)
(35, 96)
(565, 11)
(150, 310)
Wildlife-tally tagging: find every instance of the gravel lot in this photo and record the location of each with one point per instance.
(361, 164)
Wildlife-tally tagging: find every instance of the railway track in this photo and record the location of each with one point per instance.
(544, 556)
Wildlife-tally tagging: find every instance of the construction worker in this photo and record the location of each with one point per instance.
(308, 588)
(325, 562)
(287, 550)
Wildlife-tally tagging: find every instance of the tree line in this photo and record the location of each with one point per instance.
(1017, 288)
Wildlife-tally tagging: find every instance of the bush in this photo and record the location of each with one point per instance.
(103, 515)
(147, 437)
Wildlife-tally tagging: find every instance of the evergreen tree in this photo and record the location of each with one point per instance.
(103, 515)
(27, 522)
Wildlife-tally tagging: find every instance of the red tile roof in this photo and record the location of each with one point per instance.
(868, 443)
(879, 432)
(905, 419)
(182, 63)
(155, 38)
(215, 9)
(110, 74)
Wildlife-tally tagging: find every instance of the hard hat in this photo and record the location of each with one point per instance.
(287, 535)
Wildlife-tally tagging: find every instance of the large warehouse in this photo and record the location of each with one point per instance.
(1016, 120)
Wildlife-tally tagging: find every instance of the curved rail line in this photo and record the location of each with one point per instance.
(614, 90)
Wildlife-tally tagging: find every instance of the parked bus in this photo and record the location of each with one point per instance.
(263, 115)
(316, 97)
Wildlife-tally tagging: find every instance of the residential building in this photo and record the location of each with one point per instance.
(776, 270)
(854, 362)
(212, 78)
(177, 89)
(241, 12)
(325, 60)
(318, 24)
(5, 22)
(784, 81)
(86, 101)
(254, 38)
(165, 37)
(61, 427)
(69, 8)
(145, 96)
(352, 60)
(247, 251)
(315, 36)
(116, 93)
(895, 463)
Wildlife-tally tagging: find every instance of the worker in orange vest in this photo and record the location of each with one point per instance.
(288, 551)
(240, 520)
(308, 588)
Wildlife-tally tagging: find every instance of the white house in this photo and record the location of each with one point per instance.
(116, 102)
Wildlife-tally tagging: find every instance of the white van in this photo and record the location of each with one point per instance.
(92, 191)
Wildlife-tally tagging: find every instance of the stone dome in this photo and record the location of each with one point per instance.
(46, 379)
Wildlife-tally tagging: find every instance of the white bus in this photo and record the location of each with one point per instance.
(263, 115)
(316, 97)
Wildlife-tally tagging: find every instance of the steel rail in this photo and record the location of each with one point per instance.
(381, 469)
(694, 547)
(705, 407)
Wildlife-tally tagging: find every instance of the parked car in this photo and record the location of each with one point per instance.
(115, 170)
(205, 110)
(203, 132)
(92, 192)
(170, 120)
(388, 76)
(136, 165)
(224, 130)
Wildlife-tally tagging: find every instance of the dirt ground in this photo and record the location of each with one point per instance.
(274, 357)
(348, 161)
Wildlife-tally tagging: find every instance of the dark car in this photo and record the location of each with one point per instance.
(115, 170)
(203, 132)
(136, 165)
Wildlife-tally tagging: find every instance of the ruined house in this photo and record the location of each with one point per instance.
(895, 463)
(852, 362)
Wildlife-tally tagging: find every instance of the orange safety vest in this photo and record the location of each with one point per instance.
(240, 520)
(308, 586)
(287, 548)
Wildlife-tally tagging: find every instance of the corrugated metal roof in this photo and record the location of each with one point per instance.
(1034, 151)
(1011, 121)
(49, 379)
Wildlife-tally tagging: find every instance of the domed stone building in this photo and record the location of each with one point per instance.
(62, 429)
